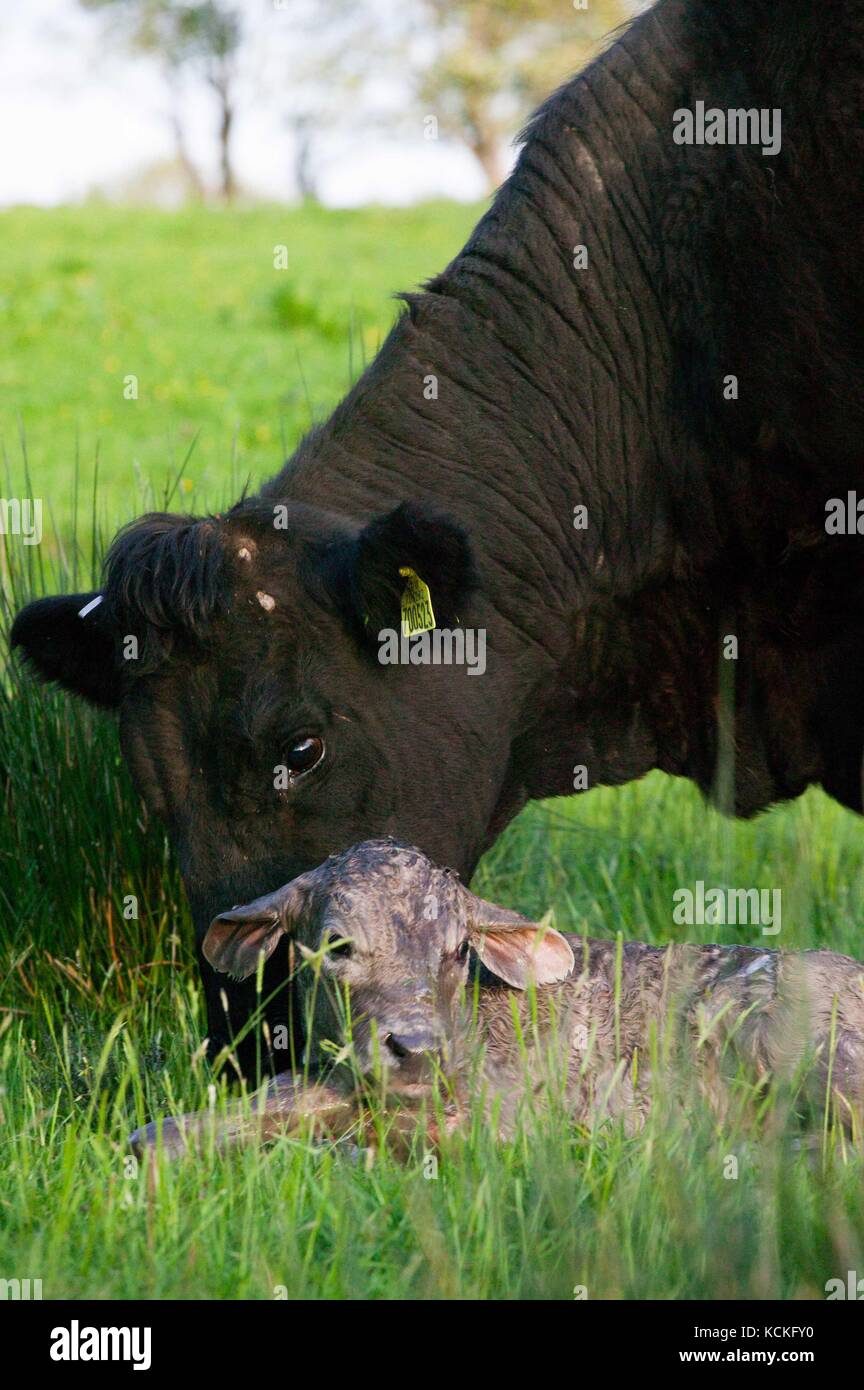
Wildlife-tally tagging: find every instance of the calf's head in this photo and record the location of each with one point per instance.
(386, 938)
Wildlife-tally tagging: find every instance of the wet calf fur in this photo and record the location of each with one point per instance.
(393, 943)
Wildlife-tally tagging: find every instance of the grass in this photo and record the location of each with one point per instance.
(228, 352)
(101, 1018)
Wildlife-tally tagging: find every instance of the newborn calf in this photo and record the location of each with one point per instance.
(392, 989)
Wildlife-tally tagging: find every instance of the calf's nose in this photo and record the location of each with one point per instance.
(404, 1045)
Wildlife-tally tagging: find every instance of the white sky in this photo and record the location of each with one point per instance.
(76, 115)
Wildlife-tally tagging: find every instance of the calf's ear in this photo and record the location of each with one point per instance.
(235, 940)
(518, 951)
(368, 576)
(70, 640)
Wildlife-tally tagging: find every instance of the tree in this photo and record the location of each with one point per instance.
(203, 37)
(497, 59)
(326, 50)
(478, 66)
(208, 35)
(302, 127)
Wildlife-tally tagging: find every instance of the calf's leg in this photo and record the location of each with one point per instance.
(280, 1106)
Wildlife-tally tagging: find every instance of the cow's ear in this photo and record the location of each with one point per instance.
(69, 640)
(382, 565)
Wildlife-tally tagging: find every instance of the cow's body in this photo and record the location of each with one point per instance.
(605, 388)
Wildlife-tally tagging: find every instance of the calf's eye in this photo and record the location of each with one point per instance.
(305, 754)
(339, 946)
(462, 952)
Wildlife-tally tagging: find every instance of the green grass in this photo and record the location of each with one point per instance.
(229, 353)
(101, 1017)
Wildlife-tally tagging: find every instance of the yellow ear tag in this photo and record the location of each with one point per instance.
(417, 615)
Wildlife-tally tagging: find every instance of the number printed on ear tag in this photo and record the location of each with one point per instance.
(417, 615)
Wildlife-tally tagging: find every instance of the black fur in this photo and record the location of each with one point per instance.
(164, 576)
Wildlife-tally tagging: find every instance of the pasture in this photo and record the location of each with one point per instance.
(101, 1018)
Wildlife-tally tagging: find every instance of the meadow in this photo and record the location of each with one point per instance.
(101, 1016)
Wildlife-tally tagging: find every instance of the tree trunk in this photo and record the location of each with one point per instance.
(221, 84)
(184, 159)
(487, 152)
(226, 121)
(304, 176)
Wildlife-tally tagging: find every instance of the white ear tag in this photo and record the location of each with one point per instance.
(88, 607)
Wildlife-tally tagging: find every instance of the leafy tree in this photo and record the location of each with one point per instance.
(495, 60)
(478, 66)
(203, 37)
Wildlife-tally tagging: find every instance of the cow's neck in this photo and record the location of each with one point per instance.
(526, 395)
(749, 681)
(543, 390)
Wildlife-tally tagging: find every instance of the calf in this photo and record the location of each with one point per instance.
(405, 972)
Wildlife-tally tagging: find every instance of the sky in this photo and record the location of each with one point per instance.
(77, 116)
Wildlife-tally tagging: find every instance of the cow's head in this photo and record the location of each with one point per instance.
(385, 939)
(241, 654)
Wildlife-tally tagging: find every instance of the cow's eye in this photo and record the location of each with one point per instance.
(305, 754)
(462, 952)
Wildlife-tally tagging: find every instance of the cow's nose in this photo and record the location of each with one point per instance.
(409, 1044)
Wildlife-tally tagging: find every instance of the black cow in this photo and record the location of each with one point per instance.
(529, 381)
